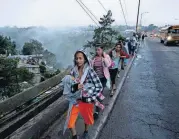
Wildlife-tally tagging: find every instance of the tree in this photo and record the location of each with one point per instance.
(46, 74)
(151, 27)
(9, 83)
(24, 74)
(42, 69)
(32, 47)
(103, 35)
(57, 71)
(35, 47)
(27, 49)
(7, 46)
(120, 38)
(50, 58)
(11, 76)
(50, 75)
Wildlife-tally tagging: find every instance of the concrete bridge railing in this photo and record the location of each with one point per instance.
(17, 100)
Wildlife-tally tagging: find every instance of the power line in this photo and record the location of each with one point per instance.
(123, 12)
(87, 13)
(125, 7)
(89, 10)
(102, 5)
(105, 9)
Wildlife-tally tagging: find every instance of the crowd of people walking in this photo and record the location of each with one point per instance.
(85, 85)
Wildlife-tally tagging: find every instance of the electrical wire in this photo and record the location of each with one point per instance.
(102, 5)
(105, 9)
(87, 12)
(125, 7)
(123, 13)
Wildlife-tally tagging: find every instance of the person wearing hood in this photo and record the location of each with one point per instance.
(101, 63)
(83, 90)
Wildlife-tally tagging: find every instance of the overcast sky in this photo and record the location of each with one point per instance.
(69, 13)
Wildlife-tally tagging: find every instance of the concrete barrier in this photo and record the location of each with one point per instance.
(17, 100)
(36, 126)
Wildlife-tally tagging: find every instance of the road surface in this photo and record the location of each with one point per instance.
(148, 105)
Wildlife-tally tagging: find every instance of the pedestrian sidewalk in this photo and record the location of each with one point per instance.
(56, 130)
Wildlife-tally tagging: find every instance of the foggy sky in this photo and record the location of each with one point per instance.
(68, 13)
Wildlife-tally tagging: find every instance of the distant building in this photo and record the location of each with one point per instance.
(28, 59)
(31, 63)
(128, 33)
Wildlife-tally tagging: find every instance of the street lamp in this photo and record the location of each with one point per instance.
(141, 17)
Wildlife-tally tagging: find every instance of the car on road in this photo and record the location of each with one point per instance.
(156, 35)
(169, 35)
(151, 35)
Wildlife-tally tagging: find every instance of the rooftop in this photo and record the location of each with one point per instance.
(26, 56)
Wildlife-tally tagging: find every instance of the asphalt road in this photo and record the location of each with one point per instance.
(148, 105)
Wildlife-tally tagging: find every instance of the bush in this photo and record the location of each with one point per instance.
(42, 69)
(24, 74)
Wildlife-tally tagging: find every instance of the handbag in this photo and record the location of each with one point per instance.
(112, 64)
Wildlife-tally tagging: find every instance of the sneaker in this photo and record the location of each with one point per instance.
(95, 115)
(118, 76)
(85, 135)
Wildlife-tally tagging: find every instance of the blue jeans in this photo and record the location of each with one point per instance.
(125, 61)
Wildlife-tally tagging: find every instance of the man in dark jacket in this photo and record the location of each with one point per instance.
(130, 47)
(143, 37)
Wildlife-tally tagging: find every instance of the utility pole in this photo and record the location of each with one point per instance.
(138, 17)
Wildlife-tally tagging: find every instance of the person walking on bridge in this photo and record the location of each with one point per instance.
(143, 37)
(83, 90)
(123, 60)
(134, 44)
(116, 54)
(101, 63)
